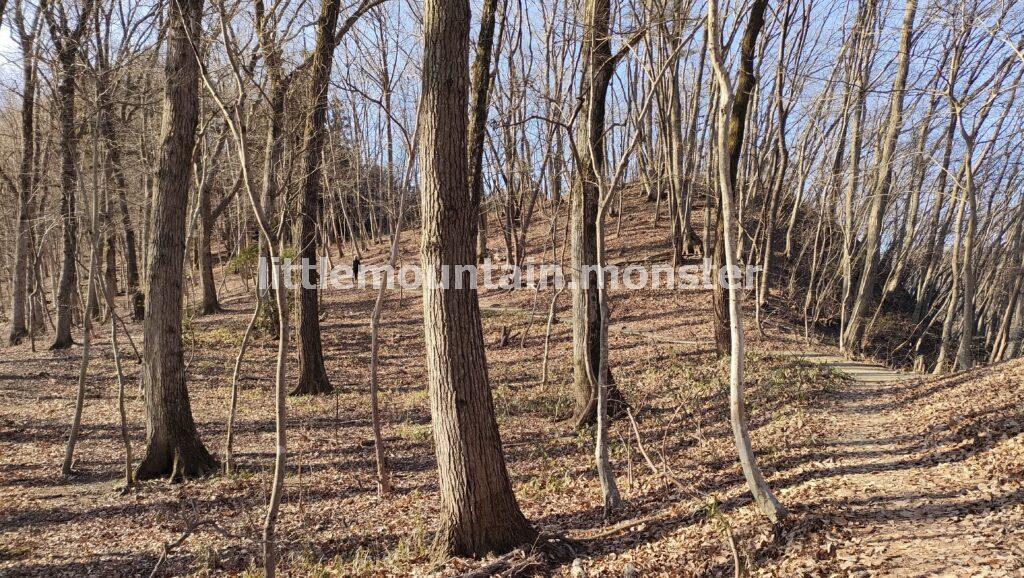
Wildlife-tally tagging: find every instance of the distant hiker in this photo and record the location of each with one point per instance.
(355, 269)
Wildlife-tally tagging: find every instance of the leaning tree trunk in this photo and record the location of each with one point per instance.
(881, 192)
(478, 118)
(725, 142)
(312, 373)
(479, 513)
(173, 447)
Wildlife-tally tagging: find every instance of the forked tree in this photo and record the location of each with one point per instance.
(67, 38)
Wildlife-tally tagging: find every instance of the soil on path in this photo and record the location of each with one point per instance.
(921, 497)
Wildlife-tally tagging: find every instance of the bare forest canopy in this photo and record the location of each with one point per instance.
(865, 155)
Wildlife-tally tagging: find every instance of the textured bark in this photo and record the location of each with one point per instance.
(312, 373)
(745, 84)
(479, 513)
(586, 312)
(478, 118)
(23, 247)
(173, 447)
(67, 43)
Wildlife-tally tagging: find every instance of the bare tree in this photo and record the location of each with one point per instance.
(479, 513)
(28, 31)
(883, 182)
(67, 38)
(598, 67)
(725, 134)
(173, 447)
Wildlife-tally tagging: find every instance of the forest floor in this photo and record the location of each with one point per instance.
(881, 477)
(928, 471)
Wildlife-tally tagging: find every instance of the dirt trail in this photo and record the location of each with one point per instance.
(906, 515)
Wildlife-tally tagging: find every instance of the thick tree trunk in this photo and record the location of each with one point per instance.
(67, 286)
(173, 447)
(312, 373)
(478, 508)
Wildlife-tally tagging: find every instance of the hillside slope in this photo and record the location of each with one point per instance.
(884, 478)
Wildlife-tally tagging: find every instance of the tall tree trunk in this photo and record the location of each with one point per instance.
(965, 352)
(312, 373)
(67, 53)
(860, 67)
(586, 312)
(113, 147)
(173, 447)
(23, 246)
(745, 85)
(210, 304)
(479, 513)
(954, 295)
(775, 194)
(480, 93)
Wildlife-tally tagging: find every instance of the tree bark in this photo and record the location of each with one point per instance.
(881, 191)
(586, 311)
(745, 85)
(725, 142)
(210, 303)
(173, 447)
(312, 372)
(478, 508)
(66, 42)
(23, 247)
(481, 90)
